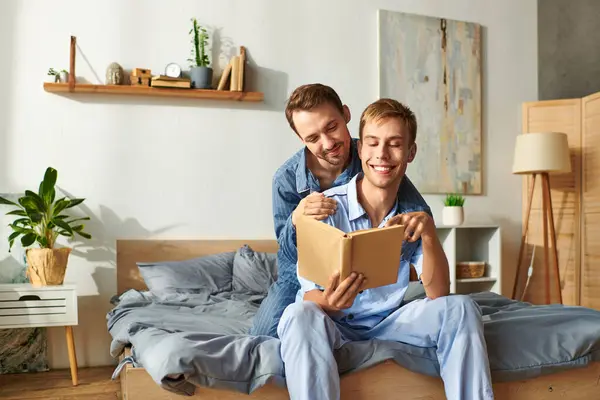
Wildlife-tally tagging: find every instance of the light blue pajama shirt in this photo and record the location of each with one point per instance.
(451, 324)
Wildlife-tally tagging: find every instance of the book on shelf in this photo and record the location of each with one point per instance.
(225, 77)
(324, 249)
(242, 69)
(235, 74)
(169, 82)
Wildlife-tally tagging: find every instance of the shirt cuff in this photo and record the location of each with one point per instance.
(307, 286)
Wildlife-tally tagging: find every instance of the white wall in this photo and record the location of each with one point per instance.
(173, 169)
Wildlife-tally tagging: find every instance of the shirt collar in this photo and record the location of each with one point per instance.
(302, 180)
(355, 210)
(302, 172)
(355, 165)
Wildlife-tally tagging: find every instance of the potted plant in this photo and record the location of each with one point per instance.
(453, 213)
(200, 72)
(61, 76)
(41, 220)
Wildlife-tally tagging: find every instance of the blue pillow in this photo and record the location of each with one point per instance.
(212, 273)
(253, 271)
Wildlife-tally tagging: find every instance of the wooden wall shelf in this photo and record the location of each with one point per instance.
(73, 87)
(154, 92)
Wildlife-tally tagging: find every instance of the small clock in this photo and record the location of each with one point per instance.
(173, 70)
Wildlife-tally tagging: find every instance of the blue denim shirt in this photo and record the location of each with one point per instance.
(293, 181)
(371, 305)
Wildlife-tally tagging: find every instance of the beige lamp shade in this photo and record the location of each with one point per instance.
(542, 152)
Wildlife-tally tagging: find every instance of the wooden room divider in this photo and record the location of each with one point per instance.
(575, 199)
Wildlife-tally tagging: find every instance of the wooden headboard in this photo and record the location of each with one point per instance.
(130, 252)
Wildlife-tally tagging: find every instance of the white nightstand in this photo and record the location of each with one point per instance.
(26, 306)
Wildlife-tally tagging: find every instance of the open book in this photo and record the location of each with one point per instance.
(324, 249)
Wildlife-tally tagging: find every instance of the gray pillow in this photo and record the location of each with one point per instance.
(212, 272)
(253, 271)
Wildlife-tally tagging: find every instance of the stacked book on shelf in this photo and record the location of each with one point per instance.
(163, 81)
(144, 77)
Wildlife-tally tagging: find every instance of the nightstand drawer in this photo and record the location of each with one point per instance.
(35, 295)
(30, 307)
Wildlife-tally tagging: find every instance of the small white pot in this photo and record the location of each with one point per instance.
(453, 216)
(63, 77)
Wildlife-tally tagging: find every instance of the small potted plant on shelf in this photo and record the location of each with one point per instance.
(453, 213)
(40, 220)
(61, 76)
(200, 72)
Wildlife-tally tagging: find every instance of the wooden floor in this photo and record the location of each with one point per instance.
(94, 384)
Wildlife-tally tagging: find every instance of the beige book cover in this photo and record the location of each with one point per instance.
(324, 249)
(224, 77)
(242, 70)
(235, 74)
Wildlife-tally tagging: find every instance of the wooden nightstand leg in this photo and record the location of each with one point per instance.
(72, 355)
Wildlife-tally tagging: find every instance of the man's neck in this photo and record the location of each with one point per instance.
(325, 173)
(377, 202)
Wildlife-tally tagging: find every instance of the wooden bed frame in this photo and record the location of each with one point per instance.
(384, 381)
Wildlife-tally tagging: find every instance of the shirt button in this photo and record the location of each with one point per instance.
(350, 316)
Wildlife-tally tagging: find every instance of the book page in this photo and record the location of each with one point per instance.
(376, 253)
(319, 250)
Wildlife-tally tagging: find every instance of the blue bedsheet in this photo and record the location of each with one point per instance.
(188, 339)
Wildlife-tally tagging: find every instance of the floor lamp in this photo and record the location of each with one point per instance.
(541, 154)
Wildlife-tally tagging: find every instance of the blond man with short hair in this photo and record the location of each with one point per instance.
(329, 158)
(323, 319)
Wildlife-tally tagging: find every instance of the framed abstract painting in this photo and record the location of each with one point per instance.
(433, 65)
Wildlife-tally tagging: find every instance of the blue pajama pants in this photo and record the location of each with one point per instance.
(451, 324)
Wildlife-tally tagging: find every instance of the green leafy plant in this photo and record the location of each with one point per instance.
(200, 41)
(41, 218)
(454, 200)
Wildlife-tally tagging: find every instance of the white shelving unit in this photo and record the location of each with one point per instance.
(473, 243)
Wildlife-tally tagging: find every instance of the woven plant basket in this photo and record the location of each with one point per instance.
(47, 267)
(470, 269)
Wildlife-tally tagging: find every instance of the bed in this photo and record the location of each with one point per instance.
(172, 345)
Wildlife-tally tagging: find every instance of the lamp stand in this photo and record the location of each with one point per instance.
(548, 227)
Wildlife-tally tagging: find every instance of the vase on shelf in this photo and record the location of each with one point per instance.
(201, 77)
(453, 215)
(63, 77)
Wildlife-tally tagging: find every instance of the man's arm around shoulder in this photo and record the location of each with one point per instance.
(285, 200)
(408, 193)
(288, 204)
